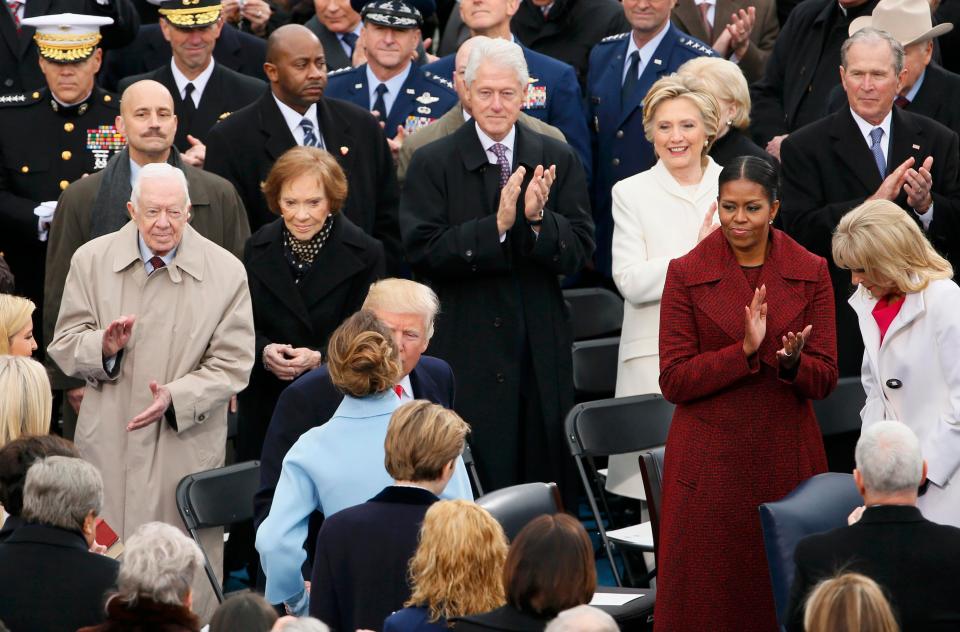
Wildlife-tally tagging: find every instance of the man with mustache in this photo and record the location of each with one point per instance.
(96, 205)
(243, 147)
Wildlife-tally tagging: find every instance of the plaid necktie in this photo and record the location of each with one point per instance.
(14, 5)
(500, 151)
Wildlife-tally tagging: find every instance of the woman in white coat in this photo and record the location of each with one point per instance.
(658, 215)
(909, 313)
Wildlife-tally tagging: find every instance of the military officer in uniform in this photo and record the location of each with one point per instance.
(622, 69)
(49, 138)
(405, 96)
(203, 90)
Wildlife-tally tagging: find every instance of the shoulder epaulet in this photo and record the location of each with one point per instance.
(614, 38)
(341, 71)
(694, 45)
(13, 100)
(438, 79)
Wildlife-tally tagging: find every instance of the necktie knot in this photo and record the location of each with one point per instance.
(350, 39)
(876, 134)
(157, 263)
(309, 136)
(901, 101)
(188, 89)
(382, 89)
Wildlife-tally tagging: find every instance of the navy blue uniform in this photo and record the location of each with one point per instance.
(620, 148)
(553, 96)
(423, 99)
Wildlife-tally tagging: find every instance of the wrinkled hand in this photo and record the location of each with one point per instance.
(75, 398)
(893, 183)
(793, 344)
(918, 185)
(538, 192)
(855, 515)
(230, 10)
(708, 225)
(755, 321)
(509, 194)
(739, 28)
(302, 359)
(197, 153)
(154, 412)
(117, 335)
(275, 360)
(257, 13)
(773, 147)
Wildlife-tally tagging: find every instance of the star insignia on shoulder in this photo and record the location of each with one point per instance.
(340, 71)
(614, 38)
(12, 99)
(438, 79)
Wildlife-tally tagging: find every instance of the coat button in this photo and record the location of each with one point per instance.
(201, 417)
(468, 253)
(501, 378)
(24, 169)
(66, 155)
(8, 82)
(35, 95)
(107, 98)
(497, 322)
(616, 162)
(894, 383)
(68, 127)
(619, 133)
(63, 185)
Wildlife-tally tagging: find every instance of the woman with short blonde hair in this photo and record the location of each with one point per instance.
(457, 569)
(850, 602)
(907, 307)
(25, 398)
(16, 325)
(673, 87)
(725, 81)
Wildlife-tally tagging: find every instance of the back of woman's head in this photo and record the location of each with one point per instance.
(550, 566)
(879, 238)
(16, 458)
(25, 398)
(848, 603)
(15, 314)
(362, 357)
(246, 612)
(753, 169)
(159, 563)
(457, 569)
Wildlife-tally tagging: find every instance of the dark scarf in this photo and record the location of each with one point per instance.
(109, 210)
(146, 616)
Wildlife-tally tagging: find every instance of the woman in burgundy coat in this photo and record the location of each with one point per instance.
(746, 340)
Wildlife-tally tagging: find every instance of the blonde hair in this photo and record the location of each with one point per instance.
(724, 80)
(850, 602)
(672, 87)
(458, 567)
(25, 398)
(879, 238)
(421, 439)
(15, 314)
(361, 356)
(403, 296)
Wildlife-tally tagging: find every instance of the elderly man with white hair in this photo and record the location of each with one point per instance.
(490, 216)
(583, 619)
(916, 561)
(157, 320)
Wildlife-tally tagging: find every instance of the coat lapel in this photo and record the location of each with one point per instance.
(655, 66)
(268, 264)
(727, 285)
(401, 105)
(335, 263)
(851, 149)
(863, 304)
(913, 307)
(906, 140)
(279, 138)
(688, 16)
(337, 135)
(475, 159)
(9, 33)
(212, 101)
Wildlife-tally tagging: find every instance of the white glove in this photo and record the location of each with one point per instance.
(44, 214)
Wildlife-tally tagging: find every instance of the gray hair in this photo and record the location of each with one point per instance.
(500, 53)
(888, 457)
(583, 619)
(159, 563)
(61, 491)
(158, 170)
(306, 624)
(871, 35)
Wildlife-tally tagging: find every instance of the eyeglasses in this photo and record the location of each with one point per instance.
(172, 214)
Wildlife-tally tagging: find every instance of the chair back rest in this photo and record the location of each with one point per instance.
(595, 364)
(219, 497)
(840, 411)
(818, 504)
(651, 471)
(517, 505)
(594, 312)
(618, 425)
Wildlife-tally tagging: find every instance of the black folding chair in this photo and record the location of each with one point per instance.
(651, 471)
(594, 312)
(616, 426)
(472, 468)
(517, 505)
(217, 498)
(595, 366)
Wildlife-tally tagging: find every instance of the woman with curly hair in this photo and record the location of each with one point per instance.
(457, 569)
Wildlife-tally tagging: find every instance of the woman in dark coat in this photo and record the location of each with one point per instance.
(747, 339)
(308, 271)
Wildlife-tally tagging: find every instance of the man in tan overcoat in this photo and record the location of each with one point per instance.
(156, 319)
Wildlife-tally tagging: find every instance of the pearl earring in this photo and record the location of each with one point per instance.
(770, 222)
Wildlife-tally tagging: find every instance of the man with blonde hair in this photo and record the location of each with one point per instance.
(408, 309)
(355, 585)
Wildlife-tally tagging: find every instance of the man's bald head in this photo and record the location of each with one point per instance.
(148, 121)
(296, 66)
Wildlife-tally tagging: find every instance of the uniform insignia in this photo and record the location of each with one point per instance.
(614, 38)
(224, 115)
(413, 123)
(532, 80)
(13, 99)
(657, 62)
(340, 71)
(536, 97)
(423, 109)
(357, 86)
(344, 150)
(411, 91)
(102, 141)
(427, 98)
(437, 79)
(697, 46)
(917, 147)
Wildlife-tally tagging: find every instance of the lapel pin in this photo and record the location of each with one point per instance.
(657, 62)
(411, 91)
(917, 147)
(357, 86)
(344, 150)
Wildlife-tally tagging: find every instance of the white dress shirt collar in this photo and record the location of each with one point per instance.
(646, 52)
(711, 12)
(866, 128)
(394, 85)
(488, 144)
(198, 84)
(912, 94)
(346, 47)
(293, 118)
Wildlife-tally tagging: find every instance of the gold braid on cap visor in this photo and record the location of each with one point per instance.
(66, 49)
(197, 16)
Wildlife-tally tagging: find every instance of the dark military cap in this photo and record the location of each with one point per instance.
(190, 14)
(395, 14)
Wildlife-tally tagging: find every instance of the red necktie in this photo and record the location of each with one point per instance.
(13, 5)
(157, 263)
(398, 390)
(704, 9)
(901, 102)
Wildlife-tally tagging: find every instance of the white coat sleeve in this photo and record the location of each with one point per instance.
(639, 278)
